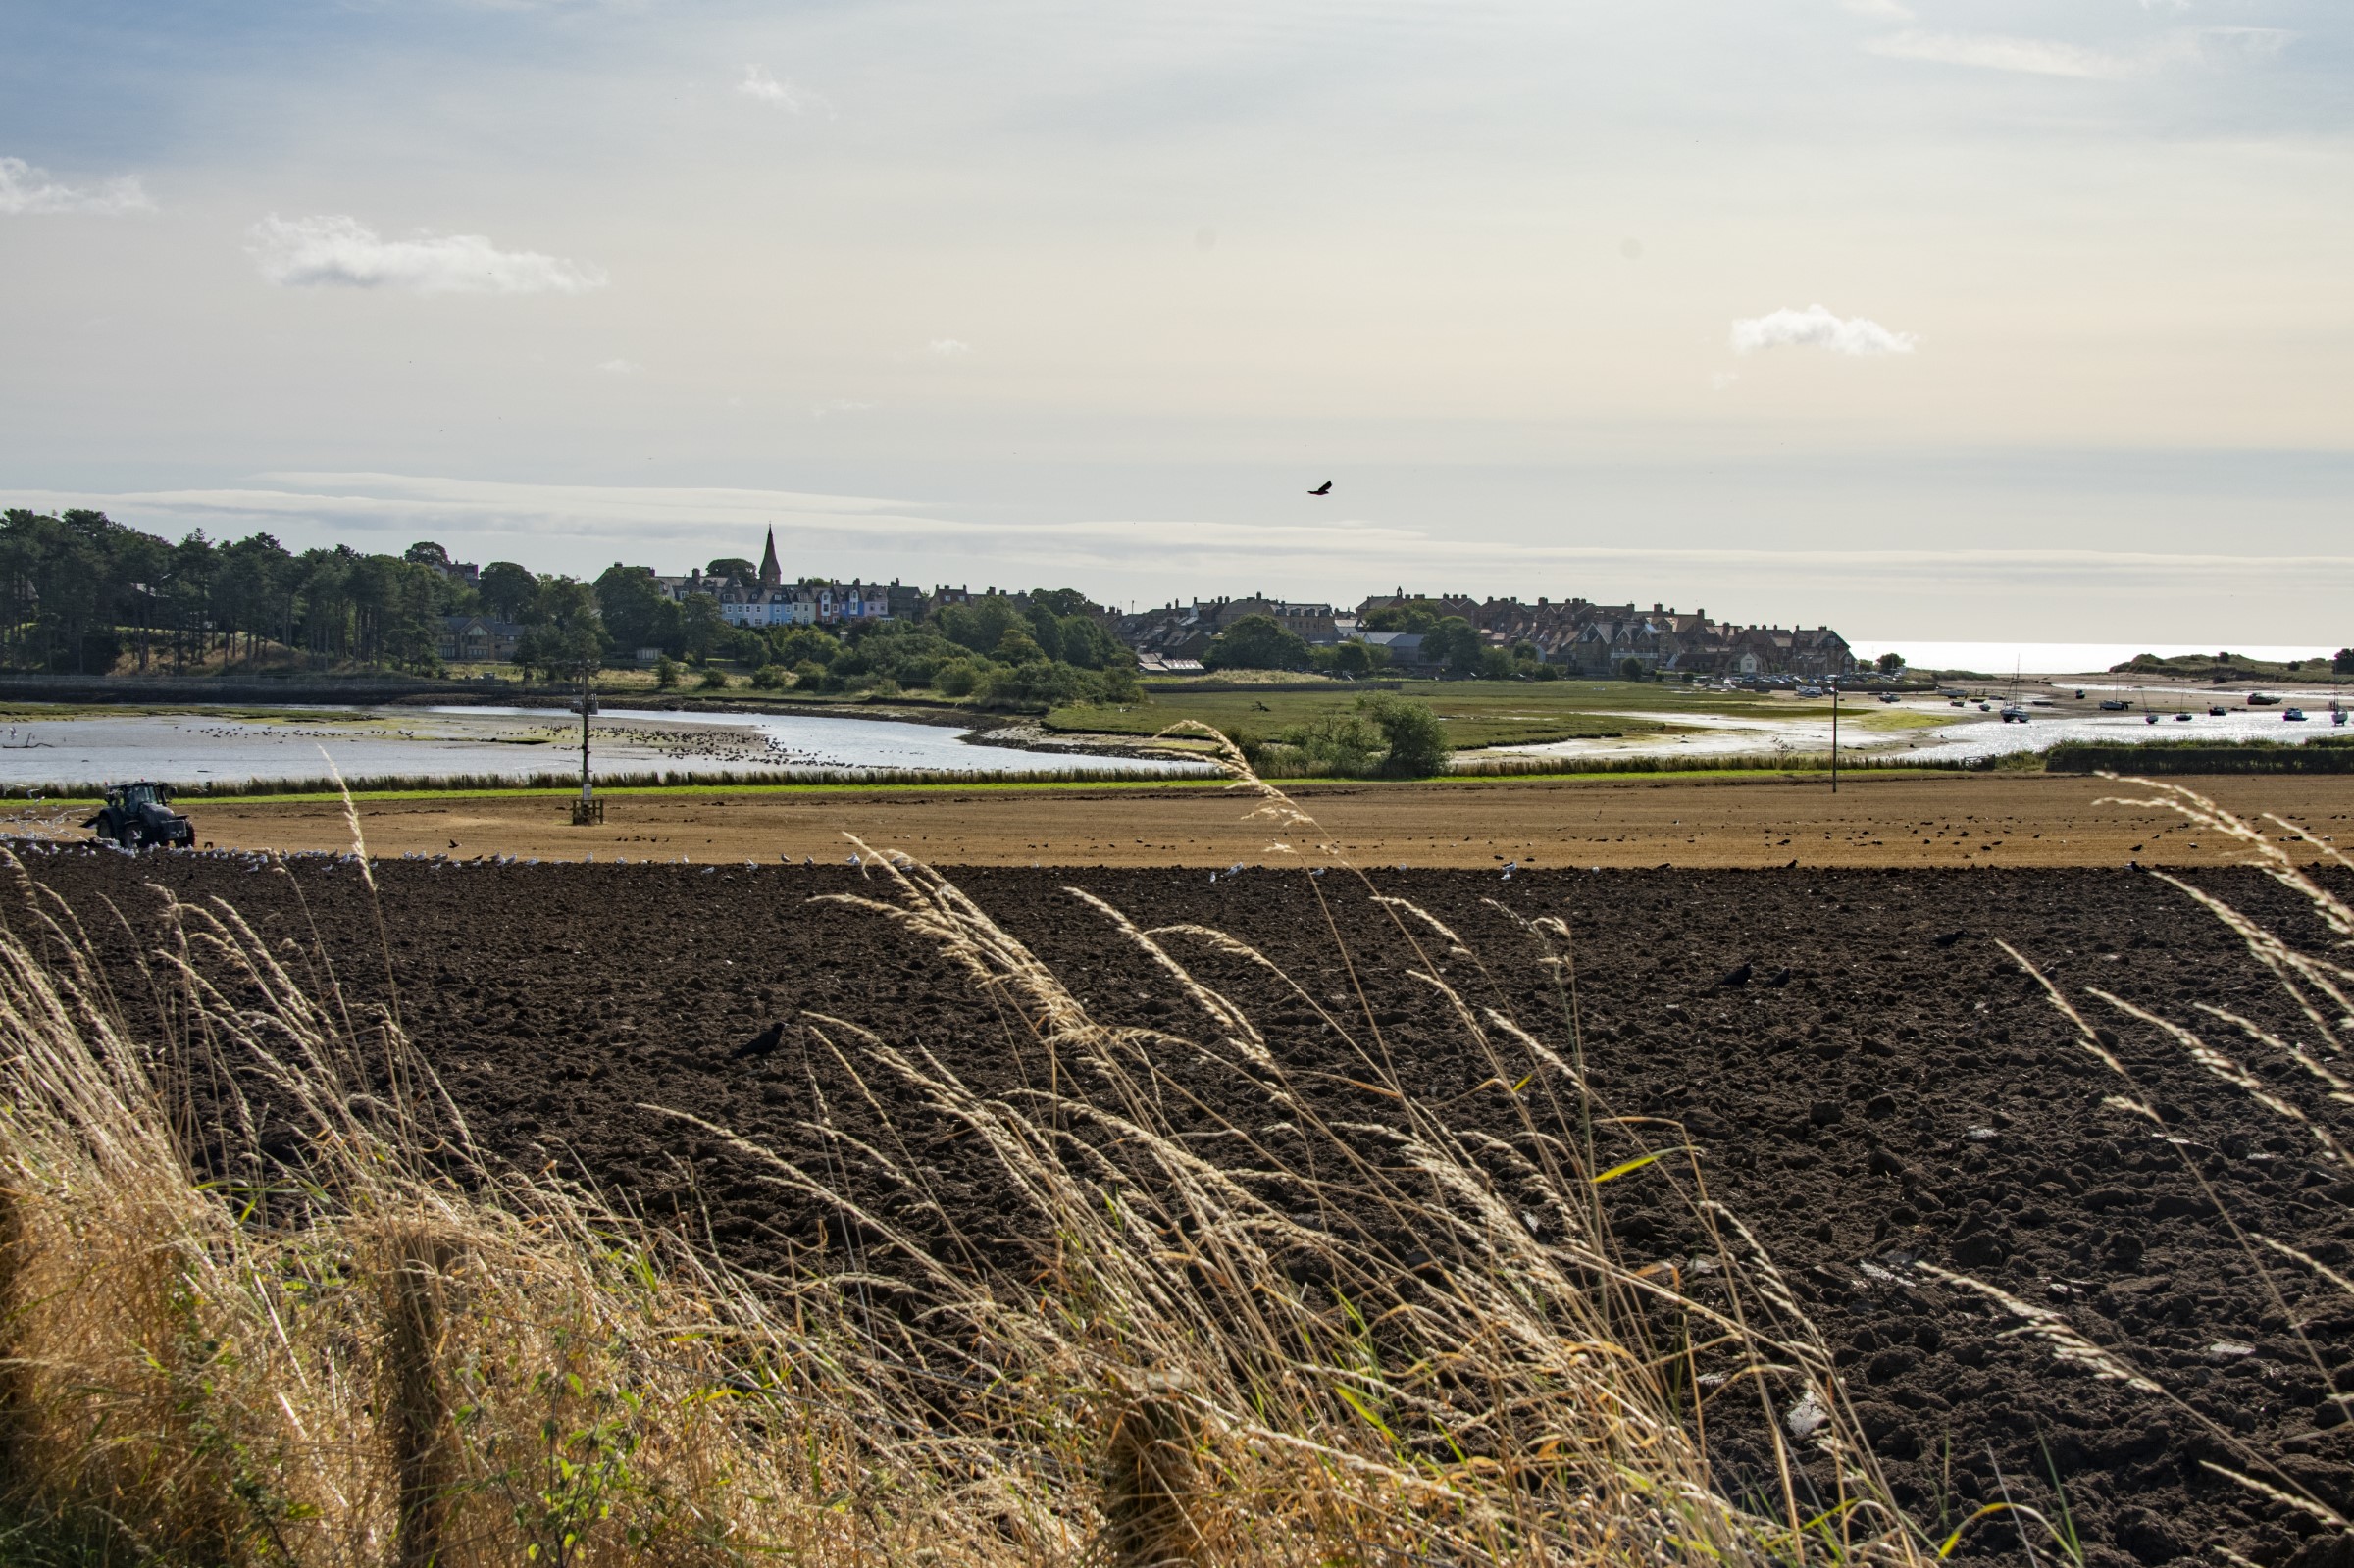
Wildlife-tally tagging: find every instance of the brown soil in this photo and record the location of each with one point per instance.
(1870, 1081)
(1936, 820)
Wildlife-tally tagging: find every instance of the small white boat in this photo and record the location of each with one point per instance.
(2294, 715)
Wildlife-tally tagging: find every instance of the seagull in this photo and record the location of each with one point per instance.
(1324, 488)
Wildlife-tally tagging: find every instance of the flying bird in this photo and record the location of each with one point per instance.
(1324, 488)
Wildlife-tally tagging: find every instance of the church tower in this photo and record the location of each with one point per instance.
(771, 575)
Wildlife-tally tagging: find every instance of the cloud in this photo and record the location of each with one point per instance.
(948, 347)
(620, 367)
(1886, 9)
(2037, 57)
(837, 405)
(2045, 57)
(341, 252)
(759, 85)
(25, 191)
(1816, 327)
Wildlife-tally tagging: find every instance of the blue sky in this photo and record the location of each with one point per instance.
(1939, 320)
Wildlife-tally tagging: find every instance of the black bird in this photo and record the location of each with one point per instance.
(763, 1043)
(1324, 488)
(453, 844)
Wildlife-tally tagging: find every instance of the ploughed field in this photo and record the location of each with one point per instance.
(1871, 1085)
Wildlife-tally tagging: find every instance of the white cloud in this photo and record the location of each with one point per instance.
(2045, 57)
(1816, 327)
(758, 85)
(340, 252)
(620, 367)
(25, 191)
(1885, 9)
(2038, 57)
(948, 347)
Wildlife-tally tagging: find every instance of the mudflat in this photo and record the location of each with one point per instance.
(1992, 819)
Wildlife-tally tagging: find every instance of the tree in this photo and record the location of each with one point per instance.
(562, 637)
(508, 589)
(1630, 669)
(1087, 644)
(635, 611)
(1256, 642)
(1454, 643)
(1414, 615)
(1352, 659)
(979, 624)
(1416, 741)
(425, 552)
(1890, 663)
(2343, 664)
(666, 672)
(1062, 603)
(701, 627)
(729, 566)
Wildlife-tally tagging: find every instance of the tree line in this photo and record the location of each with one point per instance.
(82, 594)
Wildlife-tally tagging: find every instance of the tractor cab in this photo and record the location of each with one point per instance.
(136, 815)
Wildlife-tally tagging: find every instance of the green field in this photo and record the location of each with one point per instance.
(1476, 713)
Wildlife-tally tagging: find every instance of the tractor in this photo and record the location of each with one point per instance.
(136, 815)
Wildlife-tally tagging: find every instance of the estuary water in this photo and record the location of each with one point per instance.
(195, 749)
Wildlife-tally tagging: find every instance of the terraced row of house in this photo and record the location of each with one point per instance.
(1575, 634)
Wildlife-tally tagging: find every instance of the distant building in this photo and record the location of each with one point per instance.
(476, 639)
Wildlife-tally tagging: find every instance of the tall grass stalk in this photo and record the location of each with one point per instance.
(316, 1324)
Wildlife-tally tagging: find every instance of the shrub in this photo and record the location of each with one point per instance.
(1416, 740)
(958, 678)
(714, 680)
(666, 672)
(770, 677)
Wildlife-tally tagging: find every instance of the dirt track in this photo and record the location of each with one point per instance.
(1877, 1083)
(1940, 820)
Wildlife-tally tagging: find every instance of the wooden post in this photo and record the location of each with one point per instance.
(1835, 734)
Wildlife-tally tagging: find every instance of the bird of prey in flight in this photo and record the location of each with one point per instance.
(1324, 488)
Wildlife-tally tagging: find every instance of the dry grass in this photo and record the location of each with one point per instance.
(317, 1325)
(2321, 987)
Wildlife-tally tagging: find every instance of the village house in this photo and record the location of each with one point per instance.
(476, 639)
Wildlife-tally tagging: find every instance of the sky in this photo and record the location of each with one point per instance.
(1933, 318)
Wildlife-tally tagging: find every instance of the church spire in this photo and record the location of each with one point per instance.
(770, 574)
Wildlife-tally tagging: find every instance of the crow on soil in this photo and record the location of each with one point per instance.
(763, 1043)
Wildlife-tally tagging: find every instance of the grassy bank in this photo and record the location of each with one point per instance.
(1474, 713)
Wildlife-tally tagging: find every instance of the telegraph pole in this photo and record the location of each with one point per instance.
(587, 809)
(1834, 735)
